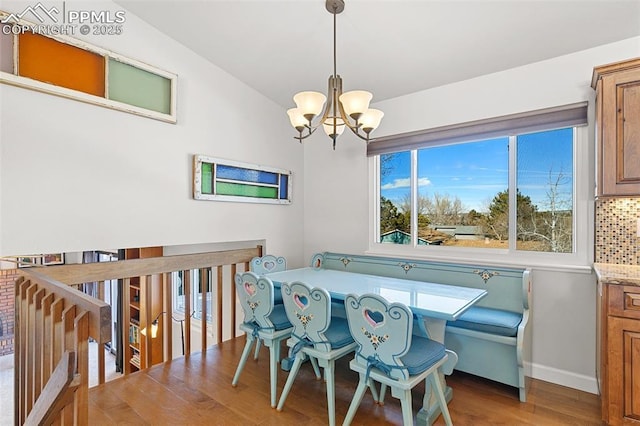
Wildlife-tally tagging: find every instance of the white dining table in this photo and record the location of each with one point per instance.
(434, 303)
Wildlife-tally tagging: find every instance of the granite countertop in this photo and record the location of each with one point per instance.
(611, 273)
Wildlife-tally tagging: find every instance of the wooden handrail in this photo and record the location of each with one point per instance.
(82, 273)
(99, 311)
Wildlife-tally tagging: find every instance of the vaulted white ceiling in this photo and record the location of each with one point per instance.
(389, 47)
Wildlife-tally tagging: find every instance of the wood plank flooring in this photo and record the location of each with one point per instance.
(196, 390)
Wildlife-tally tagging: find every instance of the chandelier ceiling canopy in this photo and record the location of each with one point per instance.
(337, 110)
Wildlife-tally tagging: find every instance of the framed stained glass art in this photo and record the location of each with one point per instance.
(216, 179)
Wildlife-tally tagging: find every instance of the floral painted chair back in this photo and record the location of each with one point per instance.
(309, 311)
(256, 298)
(266, 264)
(382, 331)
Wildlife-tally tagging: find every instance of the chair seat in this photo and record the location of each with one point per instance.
(422, 355)
(338, 333)
(494, 321)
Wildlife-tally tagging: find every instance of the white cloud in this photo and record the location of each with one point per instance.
(397, 183)
(424, 182)
(405, 183)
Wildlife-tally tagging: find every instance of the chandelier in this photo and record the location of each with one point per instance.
(350, 109)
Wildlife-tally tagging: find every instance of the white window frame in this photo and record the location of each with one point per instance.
(583, 216)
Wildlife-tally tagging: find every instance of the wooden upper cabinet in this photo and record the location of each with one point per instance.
(618, 127)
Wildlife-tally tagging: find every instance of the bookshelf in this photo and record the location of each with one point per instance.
(143, 300)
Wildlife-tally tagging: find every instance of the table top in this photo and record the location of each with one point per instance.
(440, 301)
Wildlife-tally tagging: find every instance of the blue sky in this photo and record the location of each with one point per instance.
(476, 172)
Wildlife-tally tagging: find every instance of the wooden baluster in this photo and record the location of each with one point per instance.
(219, 311)
(81, 397)
(204, 283)
(30, 348)
(38, 327)
(147, 349)
(68, 334)
(101, 357)
(47, 329)
(57, 332)
(233, 325)
(187, 311)
(167, 286)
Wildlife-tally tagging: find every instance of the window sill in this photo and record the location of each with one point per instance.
(569, 262)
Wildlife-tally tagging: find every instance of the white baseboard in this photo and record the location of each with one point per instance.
(564, 378)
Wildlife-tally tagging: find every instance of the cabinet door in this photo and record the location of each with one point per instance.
(620, 132)
(624, 371)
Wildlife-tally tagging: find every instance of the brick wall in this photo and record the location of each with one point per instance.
(7, 299)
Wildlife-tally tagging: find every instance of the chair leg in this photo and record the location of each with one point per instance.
(290, 379)
(355, 402)
(316, 369)
(437, 386)
(407, 409)
(258, 342)
(243, 360)
(331, 392)
(383, 392)
(374, 391)
(273, 372)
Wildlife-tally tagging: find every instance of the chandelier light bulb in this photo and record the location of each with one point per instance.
(371, 119)
(310, 103)
(298, 121)
(355, 102)
(328, 127)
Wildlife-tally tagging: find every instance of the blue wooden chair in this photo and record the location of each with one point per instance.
(269, 263)
(389, 354)
(315, 335)
(264, 265)
(263, 321)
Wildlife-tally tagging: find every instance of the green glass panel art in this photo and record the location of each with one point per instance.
(207, 171)
(240, 190)
(135, 86)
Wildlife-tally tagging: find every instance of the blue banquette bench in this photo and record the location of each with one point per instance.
(492, 338)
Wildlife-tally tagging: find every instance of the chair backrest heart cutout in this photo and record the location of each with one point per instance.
(374, 318)
(269, 265)
(301, 300)
(249, 288)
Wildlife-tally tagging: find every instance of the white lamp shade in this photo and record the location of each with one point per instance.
(355, 102)
(296, 118)
(309, 103)
(371, 119)
(328, 126)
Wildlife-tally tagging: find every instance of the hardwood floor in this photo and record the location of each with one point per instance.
(197, 390)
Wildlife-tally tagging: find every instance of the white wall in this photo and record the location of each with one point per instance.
(74, 176)
(338, 197)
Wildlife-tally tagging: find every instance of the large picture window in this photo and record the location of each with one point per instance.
(514, 192)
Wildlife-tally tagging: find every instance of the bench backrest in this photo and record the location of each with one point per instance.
(507, 288)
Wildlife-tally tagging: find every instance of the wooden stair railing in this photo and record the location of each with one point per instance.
(53, 317)
(51, 320)
(58, 393)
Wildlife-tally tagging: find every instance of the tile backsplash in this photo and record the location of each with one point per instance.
(616, 231)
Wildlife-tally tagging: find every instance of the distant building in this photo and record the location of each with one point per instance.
(461, 232)
(400, 237)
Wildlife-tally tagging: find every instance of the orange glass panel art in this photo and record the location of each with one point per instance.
(50, 61)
